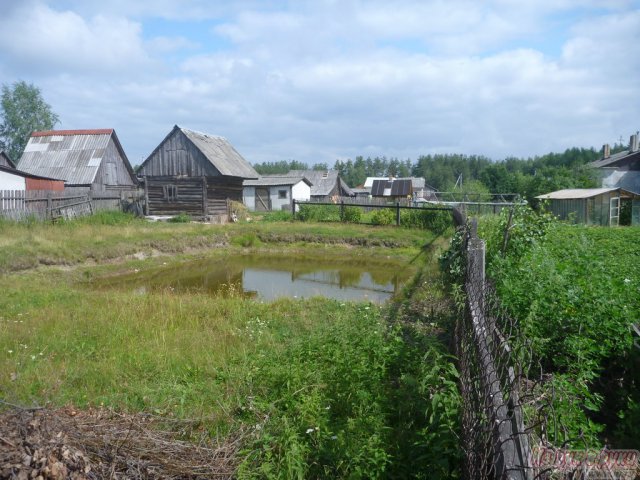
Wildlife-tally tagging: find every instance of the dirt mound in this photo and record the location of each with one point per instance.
(100, 443)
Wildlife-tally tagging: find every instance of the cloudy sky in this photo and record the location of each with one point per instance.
(321, 80)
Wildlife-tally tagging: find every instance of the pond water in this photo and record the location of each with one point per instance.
(269, 277)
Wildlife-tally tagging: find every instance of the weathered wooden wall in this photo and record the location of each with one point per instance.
(112, 173)
(197, 196)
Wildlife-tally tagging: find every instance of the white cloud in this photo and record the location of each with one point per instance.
(55, 41)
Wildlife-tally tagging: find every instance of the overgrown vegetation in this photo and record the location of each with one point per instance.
(574, 291)
(315, 388)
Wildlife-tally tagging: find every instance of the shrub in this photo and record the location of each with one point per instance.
(351, 214)
(319, 213)
(383, 216)
(438, 221)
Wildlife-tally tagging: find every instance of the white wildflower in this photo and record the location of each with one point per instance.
(309, 430)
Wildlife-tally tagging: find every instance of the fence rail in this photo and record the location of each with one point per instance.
(42, 205)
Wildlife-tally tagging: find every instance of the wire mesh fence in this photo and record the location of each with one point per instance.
(510, 429)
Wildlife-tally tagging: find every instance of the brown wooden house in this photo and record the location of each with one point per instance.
(193, 173)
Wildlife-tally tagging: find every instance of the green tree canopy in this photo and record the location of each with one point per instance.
(22, 111)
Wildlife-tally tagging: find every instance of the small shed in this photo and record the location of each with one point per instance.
(194, 173)
(275, 193)
(5, 161)
(593, 206)
(87, 160)
(325, 184)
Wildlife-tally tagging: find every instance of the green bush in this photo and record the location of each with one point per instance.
(438, 221)
(351, 214)
(383, 216)
(319, 213)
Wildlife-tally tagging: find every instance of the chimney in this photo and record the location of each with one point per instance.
(607, 151)
(633, 143)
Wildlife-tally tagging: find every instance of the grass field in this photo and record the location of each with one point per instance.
(316, 388)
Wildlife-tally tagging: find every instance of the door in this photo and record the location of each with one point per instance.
(614, 211)
(262, 199)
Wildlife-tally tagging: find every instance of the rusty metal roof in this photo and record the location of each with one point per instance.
(221, 154)
(72, 155)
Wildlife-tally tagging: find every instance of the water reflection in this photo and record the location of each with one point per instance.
(271, 277)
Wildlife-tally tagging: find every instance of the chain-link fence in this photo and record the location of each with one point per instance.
(509, 427)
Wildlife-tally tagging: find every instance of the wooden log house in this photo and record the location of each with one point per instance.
(193, 173)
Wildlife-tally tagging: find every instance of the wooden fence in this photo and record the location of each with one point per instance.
(42, 205)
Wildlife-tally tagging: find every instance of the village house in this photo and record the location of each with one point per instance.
(193, 173)
(622, 169)
(275, 193)
(594, 206)
(419, 187)
(87, 160)
(326, 185)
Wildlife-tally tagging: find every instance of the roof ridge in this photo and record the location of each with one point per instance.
(95, 131)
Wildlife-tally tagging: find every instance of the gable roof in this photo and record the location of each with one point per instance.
(5, 161)
(578, 193)
(322, 181)
(72, 155)
(275, 181)
(617, 159)
(217, 150)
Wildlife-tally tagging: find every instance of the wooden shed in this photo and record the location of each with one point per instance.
(593, 206)
(193, 173)
(275, 193)
(325, 184)
(87, 160)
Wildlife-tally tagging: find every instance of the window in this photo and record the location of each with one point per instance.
(170, 193)
(282, 194)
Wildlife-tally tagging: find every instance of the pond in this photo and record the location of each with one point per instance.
(268, 277)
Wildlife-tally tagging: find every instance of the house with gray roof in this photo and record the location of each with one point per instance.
(622, 169)
(325, 184)
(194, 173)
(91, 160)
(275, 193)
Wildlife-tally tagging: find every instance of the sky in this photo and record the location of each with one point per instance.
(321, 80)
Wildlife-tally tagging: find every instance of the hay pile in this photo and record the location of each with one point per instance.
(100, 443)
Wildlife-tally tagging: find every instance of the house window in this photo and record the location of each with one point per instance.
(170, 193)
(282, 194)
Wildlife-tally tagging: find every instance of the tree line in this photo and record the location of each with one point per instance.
(527, 177)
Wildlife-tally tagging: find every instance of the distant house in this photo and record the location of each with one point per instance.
(392, 189)
(622, 169)
(419, 186)
(193, 173)
(593, 206)
(5, 161)
(325, 184)
(275, 193)
(91, 160)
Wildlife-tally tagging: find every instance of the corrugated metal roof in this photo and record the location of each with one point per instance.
(72, 155)
(575, 193)
(221, 154)
(275, 181)
(20, 173)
